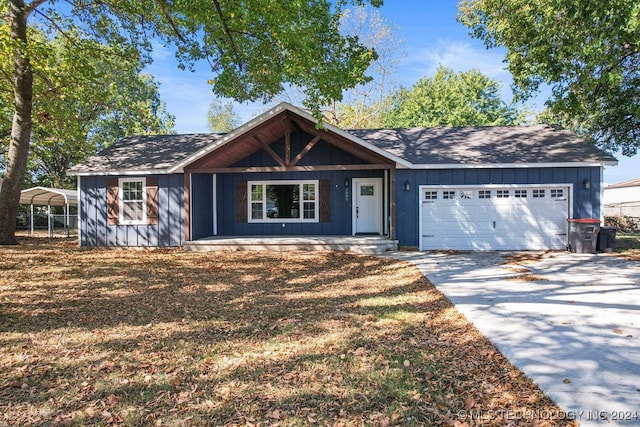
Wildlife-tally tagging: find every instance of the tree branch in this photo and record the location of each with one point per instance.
(32, 6)
(170, 21)
(227, 30)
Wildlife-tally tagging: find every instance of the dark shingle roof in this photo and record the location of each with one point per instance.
(419, 146)
(484, 145)
(151, 153)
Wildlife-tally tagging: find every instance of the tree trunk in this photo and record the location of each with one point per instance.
(20, 127)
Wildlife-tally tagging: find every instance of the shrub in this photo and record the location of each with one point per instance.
(624, 224)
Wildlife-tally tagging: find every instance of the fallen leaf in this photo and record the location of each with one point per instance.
(566, 381)
(617, 331)
(275, 414)
(469, 403)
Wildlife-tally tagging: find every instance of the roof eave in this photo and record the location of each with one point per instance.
(123, 172)
(284, 106)
(513, 165)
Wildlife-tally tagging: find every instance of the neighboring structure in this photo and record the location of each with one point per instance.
(622, 199)
(42, 196)
(444, 188)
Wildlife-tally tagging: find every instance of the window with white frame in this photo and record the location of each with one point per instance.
(132, 197)
(283, 201)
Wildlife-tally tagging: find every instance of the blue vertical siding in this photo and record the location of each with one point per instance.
(201, 205)
(340, 205)
(322, 153)
(586, 202)
(93, 216)
(170, 230)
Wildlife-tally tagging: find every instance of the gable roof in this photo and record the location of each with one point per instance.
(160, 154)
(273, 114)
(486, 146)
(625, 184)
(414, 148)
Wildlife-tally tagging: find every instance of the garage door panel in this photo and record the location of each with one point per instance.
(492, 218)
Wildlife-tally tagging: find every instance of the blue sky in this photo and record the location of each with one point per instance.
(430, 36)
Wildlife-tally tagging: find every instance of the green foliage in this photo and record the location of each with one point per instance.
(82, 103)
(587, 51)
(449, 99)
(221, 117)
(254, 49)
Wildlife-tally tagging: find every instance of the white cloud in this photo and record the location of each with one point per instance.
(461, 56)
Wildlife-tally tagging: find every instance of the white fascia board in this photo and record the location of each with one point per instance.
(122, 172)
(509, 165)
(350, 137)
(251, 124)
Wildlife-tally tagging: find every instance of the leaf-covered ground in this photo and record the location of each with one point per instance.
(628, 246)
(167, 337)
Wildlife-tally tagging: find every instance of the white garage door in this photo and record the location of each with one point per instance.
(494, 218)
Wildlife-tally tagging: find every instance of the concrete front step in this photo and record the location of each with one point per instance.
(358, 244)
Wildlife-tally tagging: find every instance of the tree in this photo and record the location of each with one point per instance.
(449, 99)
(253, 48)
(221, 117)
(73, 116)
(588, 52)
(364, 105)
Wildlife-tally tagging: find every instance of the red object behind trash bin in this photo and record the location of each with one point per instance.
(585, 220)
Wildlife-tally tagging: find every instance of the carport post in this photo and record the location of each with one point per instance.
(49, 221)
(31, 222)
(66, 219)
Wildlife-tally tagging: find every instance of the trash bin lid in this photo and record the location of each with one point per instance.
(585, 220)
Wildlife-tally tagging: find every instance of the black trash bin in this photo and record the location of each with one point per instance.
(607, 239)
(583, 235)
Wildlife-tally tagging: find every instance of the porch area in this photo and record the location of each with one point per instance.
(357, 244)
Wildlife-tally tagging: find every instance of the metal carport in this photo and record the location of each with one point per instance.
(42, 196)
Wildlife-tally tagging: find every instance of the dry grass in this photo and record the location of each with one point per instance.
(628, 246)
(166, 337)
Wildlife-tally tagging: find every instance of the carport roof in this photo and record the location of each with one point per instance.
(49, 197)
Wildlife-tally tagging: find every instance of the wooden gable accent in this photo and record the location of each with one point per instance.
(223, 159)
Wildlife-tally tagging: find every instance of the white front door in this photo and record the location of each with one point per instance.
(367, 206)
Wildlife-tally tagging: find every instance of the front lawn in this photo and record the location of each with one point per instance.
(167, 337)
(628, 245)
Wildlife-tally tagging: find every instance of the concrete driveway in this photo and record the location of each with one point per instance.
(574, 329)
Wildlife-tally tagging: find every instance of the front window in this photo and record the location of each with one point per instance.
(283, 201)
(132, 201)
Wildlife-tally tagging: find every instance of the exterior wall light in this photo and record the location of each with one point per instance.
(586, 184)
(407, 186)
